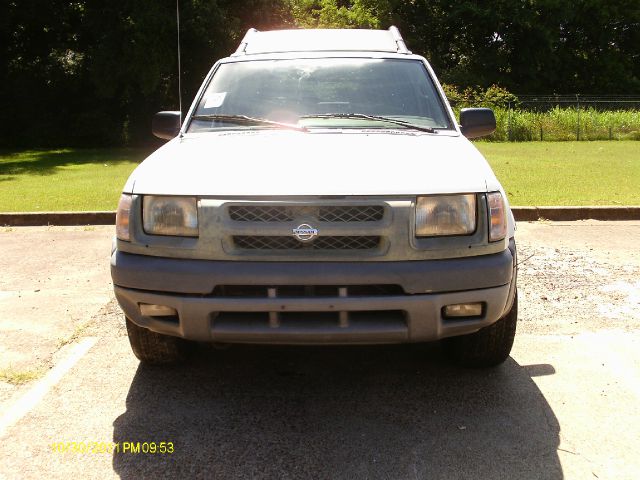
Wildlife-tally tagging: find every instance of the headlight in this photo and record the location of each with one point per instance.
(445, 215)
(122, 217)
(497, 217)
(177, 216)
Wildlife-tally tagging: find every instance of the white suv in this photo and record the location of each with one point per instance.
(319, 191)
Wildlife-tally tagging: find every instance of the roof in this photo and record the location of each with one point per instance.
(322, 40)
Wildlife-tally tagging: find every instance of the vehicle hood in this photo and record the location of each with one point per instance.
(270, 163)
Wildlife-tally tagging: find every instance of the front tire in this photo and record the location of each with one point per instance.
(156, 349)
(487, 347)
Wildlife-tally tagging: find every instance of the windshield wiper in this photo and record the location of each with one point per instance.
(376, 118)
(246, 120)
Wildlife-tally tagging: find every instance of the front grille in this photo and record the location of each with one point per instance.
(365, 213)
(324, 213)
(266, 243)
(245, 242)
(260, 214)
(346, 243)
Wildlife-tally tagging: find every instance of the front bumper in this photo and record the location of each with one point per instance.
(189, 287)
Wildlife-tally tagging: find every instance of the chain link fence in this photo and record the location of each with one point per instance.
(568, 117)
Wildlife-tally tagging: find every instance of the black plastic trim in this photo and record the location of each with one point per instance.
(201, 276)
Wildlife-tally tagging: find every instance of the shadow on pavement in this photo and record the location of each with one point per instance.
(353, 412)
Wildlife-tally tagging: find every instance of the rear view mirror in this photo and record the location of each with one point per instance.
(166, 124)
(477, 122)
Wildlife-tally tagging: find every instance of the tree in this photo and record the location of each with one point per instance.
(92, 72)
(537, 46)
(335, 14)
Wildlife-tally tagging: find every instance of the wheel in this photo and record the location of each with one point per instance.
(157, 349)
(487, 347)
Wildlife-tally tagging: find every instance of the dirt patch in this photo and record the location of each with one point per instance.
(109, 322)
(575, 288)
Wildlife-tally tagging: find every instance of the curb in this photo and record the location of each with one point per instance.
(567, 214)
(521, 214)
(35, 219)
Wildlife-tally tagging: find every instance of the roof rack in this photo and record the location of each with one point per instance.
(395, 33)
(245, 40)
(281, 41)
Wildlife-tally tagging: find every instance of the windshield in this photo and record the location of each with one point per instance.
(323, 93)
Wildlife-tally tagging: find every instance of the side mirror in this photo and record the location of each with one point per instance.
(477, 122)
(166, 125)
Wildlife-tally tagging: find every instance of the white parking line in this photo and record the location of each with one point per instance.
(40, 389)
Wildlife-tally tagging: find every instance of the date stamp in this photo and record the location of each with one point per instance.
(132, 448)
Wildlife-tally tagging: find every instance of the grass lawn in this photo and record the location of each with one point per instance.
(533, 173)
(66, 179)
(567, 173)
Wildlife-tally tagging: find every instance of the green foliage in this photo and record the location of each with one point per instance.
(561, 124)
(19, 377)
(527, 46)
(64, 179)
(515, 123)
(492, 97)
(93, 73)
(566, 173)
(533, 173)
(334, 14)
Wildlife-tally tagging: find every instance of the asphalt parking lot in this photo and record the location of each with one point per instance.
(563, 406)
